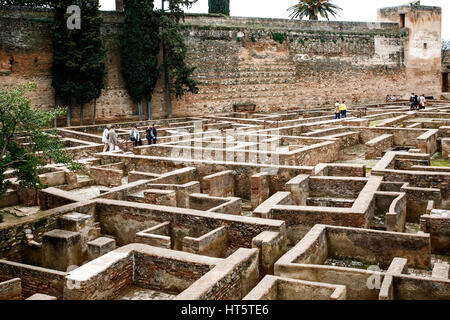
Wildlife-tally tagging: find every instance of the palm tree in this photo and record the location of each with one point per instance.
(313, 8)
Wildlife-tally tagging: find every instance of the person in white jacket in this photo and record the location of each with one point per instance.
(105, 137)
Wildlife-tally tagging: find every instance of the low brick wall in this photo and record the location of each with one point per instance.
(11, 289)
(305, 260)
(87, 151)
(445, 147)
(136, 264)
(418, 288)
(106, 176)
(182, 191)
(439, 230)
(9, 198)
(212, 244)
(229, 205)
(13, 238)
(336, 187)
(136, 176)
(379, 246)
(244, 171)
(340, 170)
(279, 288)
(427, 142)
(375, 147)
(230, 280)
(34, 279)
(52, 198)
(178, 176)
(100, 281)
(113, 215)
(157, 236)
(220, 184)
(169, 271)
(396, 217)
(271, 245)
(260, 188)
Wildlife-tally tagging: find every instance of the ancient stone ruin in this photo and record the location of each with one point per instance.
(241, 206)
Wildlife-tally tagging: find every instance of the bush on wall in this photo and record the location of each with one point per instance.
(219, 6)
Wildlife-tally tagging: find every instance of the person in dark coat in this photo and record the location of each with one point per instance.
(152, 134)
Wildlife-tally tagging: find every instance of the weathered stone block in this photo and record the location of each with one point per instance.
(100, 246)
(61, 249)
(41, 296)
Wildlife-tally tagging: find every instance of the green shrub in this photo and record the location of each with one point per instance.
(279, 37)
(219, 6)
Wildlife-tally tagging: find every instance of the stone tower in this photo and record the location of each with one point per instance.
(423, 46)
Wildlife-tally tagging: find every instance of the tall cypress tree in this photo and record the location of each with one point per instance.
(64, 64)
(92, 57)
(140, 50)
(177, 73)
(219, 6)
(79, 57)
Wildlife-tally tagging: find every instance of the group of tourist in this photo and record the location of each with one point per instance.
(151, 134)
(111, 141)
(340, 110)
(417, 103)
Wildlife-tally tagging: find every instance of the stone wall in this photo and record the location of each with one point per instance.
(423, 46)
(11, 289)
(371, 247)
(13, 241)
(439, 229)
(113, 215)
(34, 279)
(231, 280)
(279, 288)
(238, 61)
(136, 264)
(376, 147)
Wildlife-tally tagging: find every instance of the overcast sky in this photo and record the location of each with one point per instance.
(353, 10)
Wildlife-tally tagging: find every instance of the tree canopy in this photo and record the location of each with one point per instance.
(177, 73)
(312, 9)
(79, 56)
(141, 48)
(180, 73)
(27, 3)
(24, 143)
(219, 6)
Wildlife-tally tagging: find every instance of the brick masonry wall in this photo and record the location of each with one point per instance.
(34, 279)
(105, 284)
(11, 290)
(114, 214)
(13, 239)
(231, 280)
(168, 275)
(237, 60)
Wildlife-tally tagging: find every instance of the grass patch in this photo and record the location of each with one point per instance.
(439, 163)
(376, 122)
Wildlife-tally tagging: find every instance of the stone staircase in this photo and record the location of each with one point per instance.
(264, 75)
